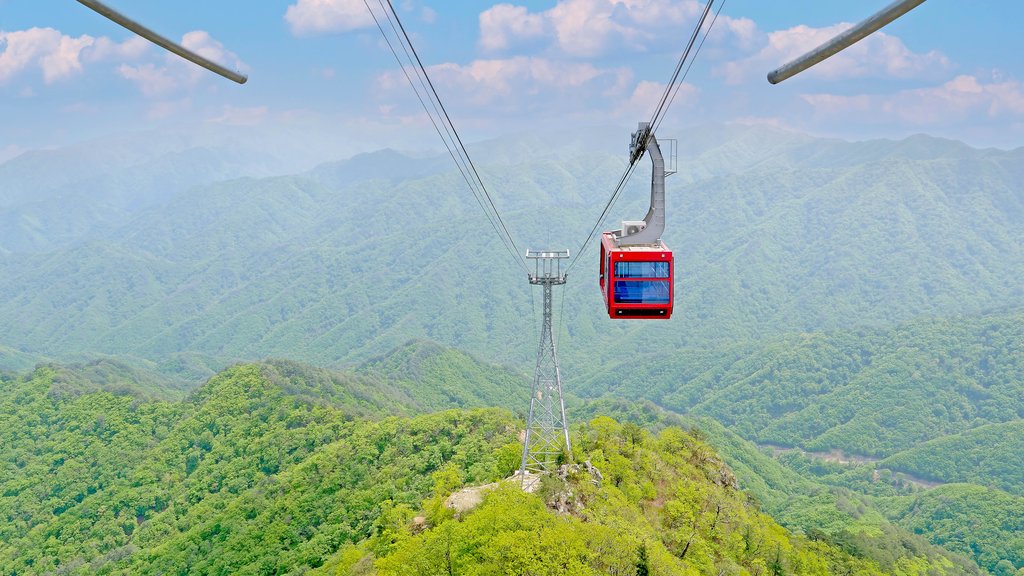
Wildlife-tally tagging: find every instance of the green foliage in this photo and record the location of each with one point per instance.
(802, 502)
(249, 472)
(271, 468)
(11, 359)
(870, 393)
(63, 444)
(775, 232)
(983, 522)
(987, 455)
(940, 399)
(432, 377)
(692, 520)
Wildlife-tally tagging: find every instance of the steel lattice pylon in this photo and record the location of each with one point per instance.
(547, 430)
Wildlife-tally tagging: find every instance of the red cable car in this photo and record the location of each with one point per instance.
(636, 270)
(636, 281)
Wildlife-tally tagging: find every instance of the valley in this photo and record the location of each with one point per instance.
(206, 366)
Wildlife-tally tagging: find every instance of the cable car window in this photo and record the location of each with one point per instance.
(642, 292)
(641, 269)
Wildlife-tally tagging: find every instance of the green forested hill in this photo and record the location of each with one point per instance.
(774, 233)
(666, 505)
(239, 475)
(432, 377)
(990, 455)
(55, 198)
(870, 392)
(941, 400)
(831, 295)
(983, 522)
(881, 528)
(266, 470)
(11, 359)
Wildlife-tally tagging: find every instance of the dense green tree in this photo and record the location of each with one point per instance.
(270, 469)
(870, 393)
(693, 521)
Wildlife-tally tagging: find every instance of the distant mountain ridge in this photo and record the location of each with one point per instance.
(864, 296)
(53, 198)
(774, 232)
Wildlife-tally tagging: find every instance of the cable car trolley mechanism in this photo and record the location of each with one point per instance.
(636, 268)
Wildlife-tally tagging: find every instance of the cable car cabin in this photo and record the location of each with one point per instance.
(636, 281)
(636, 266)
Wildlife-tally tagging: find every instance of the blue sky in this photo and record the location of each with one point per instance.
(947, 68)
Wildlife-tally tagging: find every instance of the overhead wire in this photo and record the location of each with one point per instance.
(666, 100)
(604, 213)
(443, 124)
(663, 102)
(449, 120)
(690, 65)
(453, 142)
(447, 137)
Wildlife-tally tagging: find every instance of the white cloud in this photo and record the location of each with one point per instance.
(56, 55)
(962, 99)
(63, 62)
(323, 16)
(200, 42)
(503, 24)
(594, 27)
(519, 83)
(878, 55)
(646, 95)
(743, 30)
(106, 49)
(152, 80)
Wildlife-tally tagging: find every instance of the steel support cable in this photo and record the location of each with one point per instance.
(161, 41)
(462, 146)
(662, 104)
(690, 65)
(668, 97)
(447, 137)
(460, 163)
(604, 213)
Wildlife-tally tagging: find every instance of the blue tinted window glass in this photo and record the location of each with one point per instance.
(642, 292)
(641, 269)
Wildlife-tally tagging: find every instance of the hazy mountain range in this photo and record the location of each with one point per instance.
(773, 233)
(856, 308)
